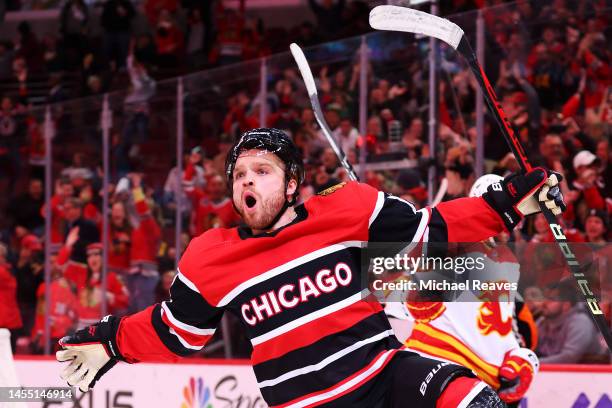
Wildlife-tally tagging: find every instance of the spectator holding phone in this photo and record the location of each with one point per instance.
(145, 238)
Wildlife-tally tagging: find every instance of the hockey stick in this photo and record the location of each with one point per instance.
(441, 191)
(393, 18)
(311, 87)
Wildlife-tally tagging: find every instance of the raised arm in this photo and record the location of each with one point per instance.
(175, 328)
(465, 219)
(163, 332)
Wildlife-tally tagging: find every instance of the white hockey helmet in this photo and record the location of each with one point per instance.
(482, 183)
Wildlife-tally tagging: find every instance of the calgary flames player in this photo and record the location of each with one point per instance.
(481, 335)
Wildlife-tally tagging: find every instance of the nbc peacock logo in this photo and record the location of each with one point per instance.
(196, 394)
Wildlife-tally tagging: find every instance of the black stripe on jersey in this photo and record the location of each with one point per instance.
(394, 228)
(169, 339)
(324, 347)
(349, 256)
(397, 221)
(370, 394)
(189, 307)
(438, 231)
(332, 373)
(325, 378)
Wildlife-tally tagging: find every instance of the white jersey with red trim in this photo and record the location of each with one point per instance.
(471, 333)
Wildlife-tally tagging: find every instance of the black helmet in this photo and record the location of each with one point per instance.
(274, 141)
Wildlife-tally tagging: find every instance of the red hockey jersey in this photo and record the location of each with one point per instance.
(298, 294)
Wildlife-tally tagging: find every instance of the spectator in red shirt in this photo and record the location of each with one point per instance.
(62, 313)
(120, 240)
(10, 318)
(90, 211)
(72, 255)
(145, 239)
(36, 147)
(237, 120)
(169, 40)
(63, 191)
(29, 274)
(211, 207)
(230, 25)
(90, 296)
(153, 8)
(587, 188)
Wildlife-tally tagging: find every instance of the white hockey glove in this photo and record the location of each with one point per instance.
(516, 373)
(91, 351)
(519, 195)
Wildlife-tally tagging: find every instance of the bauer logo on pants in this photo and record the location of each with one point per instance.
(425, 383)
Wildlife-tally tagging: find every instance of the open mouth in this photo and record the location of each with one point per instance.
(250, 200)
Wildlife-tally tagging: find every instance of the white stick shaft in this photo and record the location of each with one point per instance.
(441, 191)
(311, 87)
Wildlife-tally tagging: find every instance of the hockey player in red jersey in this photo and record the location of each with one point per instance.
(292, 277)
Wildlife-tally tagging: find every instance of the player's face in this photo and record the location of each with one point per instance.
(259, 187)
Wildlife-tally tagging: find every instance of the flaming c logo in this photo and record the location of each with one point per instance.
(490, 317)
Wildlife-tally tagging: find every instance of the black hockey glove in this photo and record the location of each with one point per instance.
(91, 351)
(518, 195)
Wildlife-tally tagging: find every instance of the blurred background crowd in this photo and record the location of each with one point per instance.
(549, 62)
